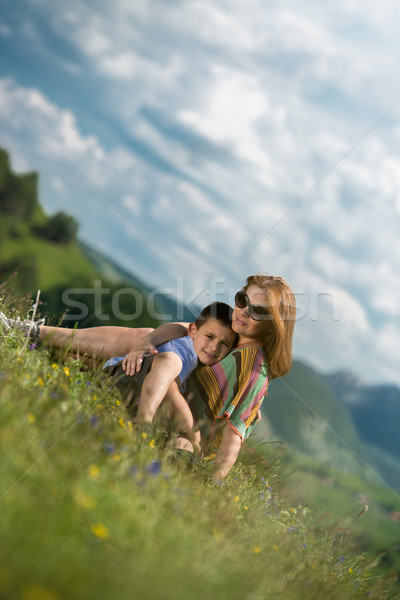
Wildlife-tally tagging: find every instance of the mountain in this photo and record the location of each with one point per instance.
(165, 308)
(78, 285)
(375, 409)
(314, 415)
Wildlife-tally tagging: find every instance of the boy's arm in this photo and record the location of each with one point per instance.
(132, 362)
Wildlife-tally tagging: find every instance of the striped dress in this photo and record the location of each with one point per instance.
(232, 389)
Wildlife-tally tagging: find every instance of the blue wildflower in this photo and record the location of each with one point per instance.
(109, 448)
(154, 468)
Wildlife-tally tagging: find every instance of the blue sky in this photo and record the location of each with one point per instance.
(199, 142)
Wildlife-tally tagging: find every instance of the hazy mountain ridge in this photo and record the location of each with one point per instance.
(375, 409)
(167, 308)
(337, 420)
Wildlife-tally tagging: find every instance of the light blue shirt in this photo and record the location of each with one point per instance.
(183, 347)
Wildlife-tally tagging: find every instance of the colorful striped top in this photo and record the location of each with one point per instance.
(233, 389)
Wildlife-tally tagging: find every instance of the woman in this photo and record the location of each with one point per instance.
(230, 392)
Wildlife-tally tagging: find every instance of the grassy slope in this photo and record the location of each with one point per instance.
(90, 509)
(301, 409)
(332, 473)
(57, 265)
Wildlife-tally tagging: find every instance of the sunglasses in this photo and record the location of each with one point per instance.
(256, 312)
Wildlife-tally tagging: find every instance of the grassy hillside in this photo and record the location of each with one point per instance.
(91, 509)
(334, 470)
(38, 251)
(168, 307)
(300, 409)
(306, 412)
(53, 265)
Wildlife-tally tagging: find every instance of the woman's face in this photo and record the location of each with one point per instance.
(247, 328)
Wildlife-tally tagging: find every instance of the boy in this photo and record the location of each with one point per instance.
(209, 339)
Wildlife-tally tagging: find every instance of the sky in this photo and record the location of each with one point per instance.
(199, 142)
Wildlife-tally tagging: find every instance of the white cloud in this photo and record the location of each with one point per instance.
(58, 185)
(132, 204)
(230, 111)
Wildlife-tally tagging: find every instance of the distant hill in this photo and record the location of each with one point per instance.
(375, 409)
(38, 251)
(167, 307)
(313, 415)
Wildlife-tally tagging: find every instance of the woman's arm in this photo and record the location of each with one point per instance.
(227, 454)
(132, 363)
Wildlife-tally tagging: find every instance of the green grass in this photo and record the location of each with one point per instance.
(340, 497)
(90, 509)
(55, 265)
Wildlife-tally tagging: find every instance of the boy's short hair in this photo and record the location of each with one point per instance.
(216, 310)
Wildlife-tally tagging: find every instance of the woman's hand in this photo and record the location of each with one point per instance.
(132, 362)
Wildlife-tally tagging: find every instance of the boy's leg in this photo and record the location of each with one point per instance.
(165, 369)
(98, 342)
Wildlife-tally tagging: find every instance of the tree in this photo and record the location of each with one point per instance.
(18, 193)
(60, 228)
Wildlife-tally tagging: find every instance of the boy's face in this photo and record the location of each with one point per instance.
(212, 341)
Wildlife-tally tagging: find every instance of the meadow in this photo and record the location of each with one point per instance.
(90, 508)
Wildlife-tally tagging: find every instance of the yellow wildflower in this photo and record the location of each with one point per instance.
(246, 508)
(67, 371)
(236, 499)
(55, 366)
(144, 435)
(216, 534)
(152, 443)
(95, 397)
(31, 418)
(121, 422)
(40, 381)
(118, 402)
(350, 570)
(257, 549)
(85, 501)
(100, 531)
(130, 426)
(94, 471)
(116, 457)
